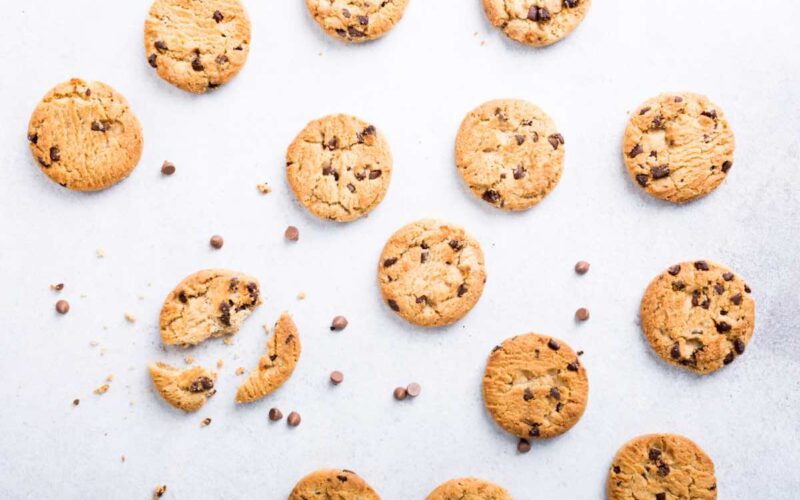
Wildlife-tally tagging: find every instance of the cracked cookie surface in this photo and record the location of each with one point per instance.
(469, 488)
(333, 484)
(698, 315)
(339, 167)
(209, 303)
(84, 136)
(536, 22)
(197, 45)
(678, 147)
(356, 20)
(186, 389)
(535, 386)
(509, 153)
(661, 467)
(431, 273)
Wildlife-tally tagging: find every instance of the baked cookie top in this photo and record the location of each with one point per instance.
(678, 146)
(698, 315)
(209, 303)
(509, 153)
(661, 467)
(339, 167)
(468, 488)
(329, 484)
(535, 386)
(357, 20)
(197, 45)
(84, 136)
(536, 22)
(431, 273)
(186, 389)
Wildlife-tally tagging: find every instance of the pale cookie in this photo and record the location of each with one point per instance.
(209, 303)
(469, 488)
(536, 22)
(698, 315)
(84, 136)
(431, 273)
(661, 467)
(276, 366)
(534, 386)
(678, 147)
(339, 167)
(333, 484)
(357, 20)
(197, 45)
(186, 389)
(509, 153)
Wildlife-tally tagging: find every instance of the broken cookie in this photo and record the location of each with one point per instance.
(186, 389)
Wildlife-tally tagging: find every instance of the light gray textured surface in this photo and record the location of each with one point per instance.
(416, 85)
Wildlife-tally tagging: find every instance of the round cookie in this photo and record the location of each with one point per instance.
(356, 21)
(469, 488)
(678, 147)
(535, 386)
(84, 136)
(341, 484)
(509, 153)
(698, 315)
(431, 273)
(197, 46)
(661, 467)
(536, 22)
(339, 167)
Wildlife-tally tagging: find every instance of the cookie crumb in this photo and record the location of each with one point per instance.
(167, 168)
(122, 458)
(130, 318)
(339, 323)
(400, 393)
(216, 242)
(301, 296)
(582, 267)
(240, 371)
(275, 414)
(220, 363)
(57, 287)
(110, 378)
(582, 314)
(293, 419)
(188, 359)
(100, 253)
(102, 389)
(160, 490)
(337, 377)
(206, 422)
(413, 389)
(228, 340)
(264, 188)
(292, 233)
(62, 306)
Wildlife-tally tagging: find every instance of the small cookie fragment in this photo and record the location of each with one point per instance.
(469, 488)
(536, 22)
(333, 483)
(160, 490)
(186, 389)
(102, 389)
(356, 22)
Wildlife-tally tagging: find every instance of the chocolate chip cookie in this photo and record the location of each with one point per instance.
(698, 315)
(536, 22)
(186, 389)
(333, 484)
(509, 153)
(678, 147)
(356, 20)
(431, 273)
(469, 488)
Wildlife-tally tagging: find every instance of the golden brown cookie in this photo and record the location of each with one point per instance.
(276, 366)
(535, 386)
(698, 315)
(186, 389)
(356, 20)
(661, 467)
(431, 273)
(197, 45)
(333, 484)
(84, 136)
(509, 153)
(469, 488)
(206, 304)
(678, 146)
(536, 22)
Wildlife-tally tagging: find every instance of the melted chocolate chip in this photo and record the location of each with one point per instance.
(374, 174)
(636, 151)
(393, 304)
(701, 265)
(674, 270)
(552, 344)
(659, 172)
(491, 196)
(462, 289)
(738, 346)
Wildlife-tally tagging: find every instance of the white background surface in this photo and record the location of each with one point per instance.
(415, 85)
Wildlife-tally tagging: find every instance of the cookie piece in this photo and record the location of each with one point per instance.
(356, 21)
(662, 467)
(339, 167)
(206, 304)
(197, 46)
(698, 315)
(84, 136)
(535, 386)
(339, 484)
(276, 366)
(431, 273)
(536, 22)
(186, 389)
(469, 488)
(509, 153)
(678, 147)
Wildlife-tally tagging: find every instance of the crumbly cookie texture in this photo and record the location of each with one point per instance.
(197, 45)
(339, 167)
(698, 315)
(431, 273)
(84, 136)
(535, 386)
(469, 488)
(509, 153)
(536, 22)
(186, 389)
(209, 303)
(662, 467)
(333, 484)
(357, 20)
(678, 146)
(276, 366)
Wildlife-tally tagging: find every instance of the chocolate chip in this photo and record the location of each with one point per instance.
(58, 287)
(674, 270)
(675, 351)
(555, 140)
(659, 172)
(533, 13)
(455, 245)
(527, 395)
(341, 32)
(225, 313)
(727, 276)
(62, 306)
(351, 188)
(374, 174)
(393, 305)
(570, 4)
(413, 389)
(346, 13)
(736, 299)
(534, 432)
(573, 367)
(642, 179)
(491, 196)
(361, 176)
(55, 154)
(221, 59)
(363, 20)
(555, 393)
(582, 314)
(337, 377)
(33, 138)
(206, 422)
(370, 130)
(654, 454)
(182, 297)
(201, 384)
(582, 267)
(747, 288)
(710, 114)
(291, 233)
(520, 139)
(275, 414)
(422, 299)
(738, 346)
(544, 14)
(616, 469)
(423, 257)
(658, 121)
(661, 496)
(678, 98)
(663, 470)
(339, 323)
(726, 165)
(644, 110)
(76, 402)
(99, 126)
(342, 478)
(523, 446)
(218, 17)
(354, 33)
(151, 60)
(216, 241)
(160, 46)
(197, 65)
(723, 327)
(293, 419)
(400, 393)
(390, 262)
(636, 151)
(462, 289)
(728, 359)
(552, 344)
(519, 172)
(701, 265)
